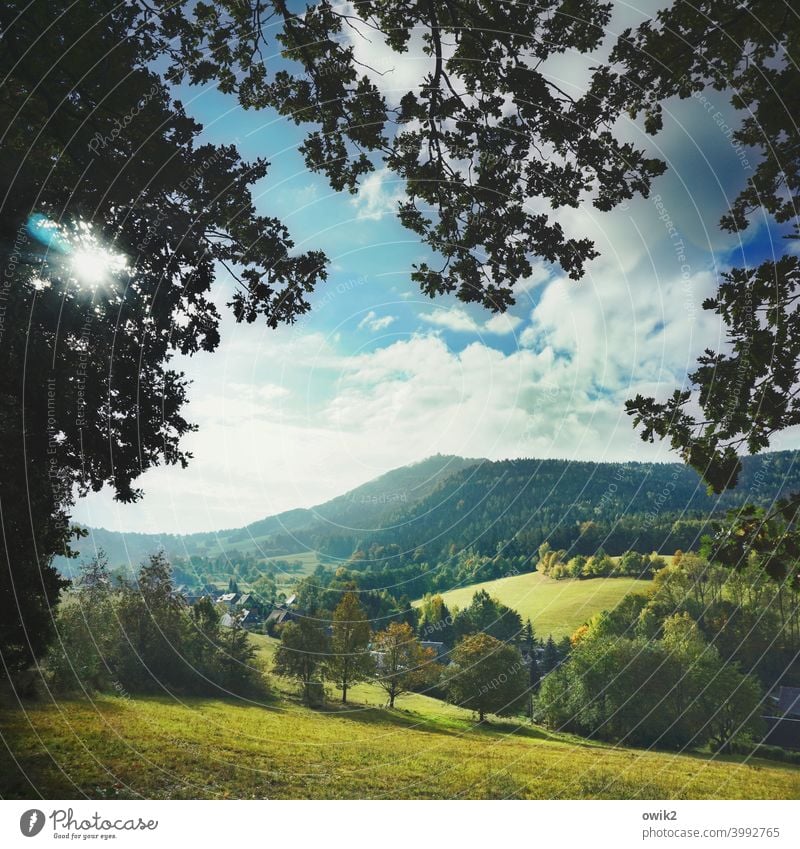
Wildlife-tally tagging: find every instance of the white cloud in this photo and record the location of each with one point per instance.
(455, 319)
(502, 323)
(458, 320)
(540, 274)
(392, 73)
(372, 321)
(620, 333)
(378, 195)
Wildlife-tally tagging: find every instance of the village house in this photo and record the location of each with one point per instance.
(280, 614)
(783, 718)
(441, 649)
(229, 600)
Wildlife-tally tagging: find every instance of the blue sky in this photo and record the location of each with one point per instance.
(377, 376)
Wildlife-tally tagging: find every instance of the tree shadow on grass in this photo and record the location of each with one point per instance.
(445, 725)
(397, 718)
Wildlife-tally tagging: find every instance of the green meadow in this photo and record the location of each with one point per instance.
(554, 607)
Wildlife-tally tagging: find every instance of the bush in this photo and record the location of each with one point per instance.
(772, 753)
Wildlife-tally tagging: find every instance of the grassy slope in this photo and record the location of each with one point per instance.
(554, 607)
(208, 748)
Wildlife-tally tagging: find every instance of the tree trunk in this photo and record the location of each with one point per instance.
(344, 694)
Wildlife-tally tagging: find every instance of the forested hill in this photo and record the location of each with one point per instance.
(369, 506)
(518, 504)
(429, 510)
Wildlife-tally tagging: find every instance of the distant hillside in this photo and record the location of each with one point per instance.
(368, 507)
(432, 509)
(364, 509)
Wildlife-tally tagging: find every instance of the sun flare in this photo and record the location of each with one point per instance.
(92, 265)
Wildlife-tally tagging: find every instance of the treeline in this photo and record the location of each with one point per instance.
(416, 576)
(140, 636)
(387, 586)
(291, 532)
(555, 564)
(450, 505)
(685, 665)
(319, 595)
(488, 615)
(200, 573)
(386, 589)
(441, 534)
(340, 647)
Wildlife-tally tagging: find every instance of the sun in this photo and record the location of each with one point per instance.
(92, 265)
(77, 251)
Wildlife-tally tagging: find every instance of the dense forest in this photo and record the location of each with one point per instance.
(496, 519)
(513, 506)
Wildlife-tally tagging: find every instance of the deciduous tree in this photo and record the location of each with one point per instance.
(402, 663)
(486, 676)
(114, 220)
(746, 392)
(484, 132)
(349, 660)
(303, 652)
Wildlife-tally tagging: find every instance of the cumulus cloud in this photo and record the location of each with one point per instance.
(372, 321)
(417, 396)
(458, 320)
(455, 319)
(540, 274)
(502, 324)
(378, 195)
(392, 73)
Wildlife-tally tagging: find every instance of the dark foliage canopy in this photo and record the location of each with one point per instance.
(748, 391)
(484, 145)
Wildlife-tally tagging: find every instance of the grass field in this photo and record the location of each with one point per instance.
(554, 607)
(114, 747)
(285, 580)
(309, 559)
